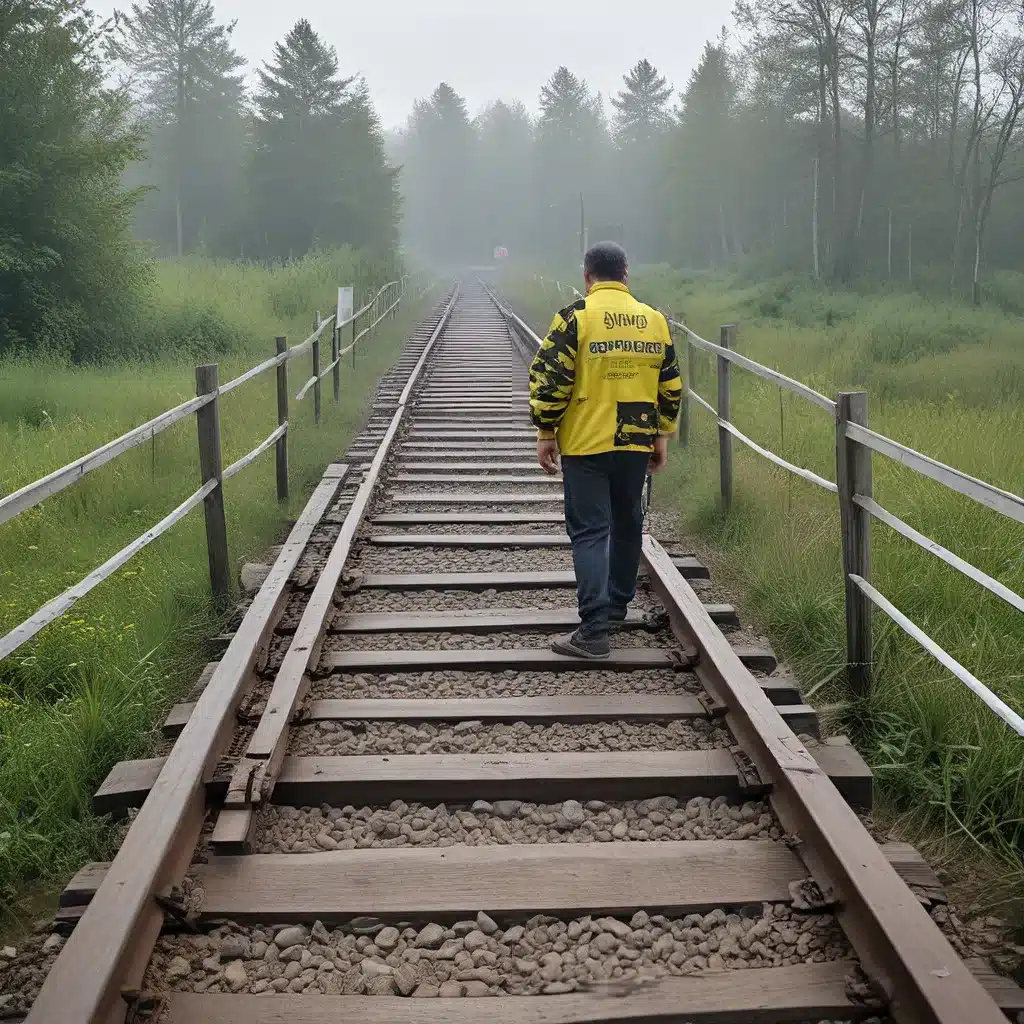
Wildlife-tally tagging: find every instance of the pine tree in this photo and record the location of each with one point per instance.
(642, 107)
(69, 273)
(304, 80)
(505, 164)
(186, 73)
(705, 209)
(574, 165)
(569, 110)
(711, 91)
(640, 126)
(439, 178)
(318, 174)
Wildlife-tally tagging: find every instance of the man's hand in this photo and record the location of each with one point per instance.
(547, 454)
(659, 457)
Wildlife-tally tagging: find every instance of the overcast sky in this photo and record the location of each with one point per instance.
(484, 49)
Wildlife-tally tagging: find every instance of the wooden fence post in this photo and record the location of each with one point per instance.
(684, 398)
(691, 372)
(727, 339)
(336, 359)
(208, 425)
(853, 476)
(282, 417)
(316, 384)
(353, 342)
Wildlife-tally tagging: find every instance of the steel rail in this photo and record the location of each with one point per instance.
(267, 744)
(113, 942)
(900, 947)
(114, 939)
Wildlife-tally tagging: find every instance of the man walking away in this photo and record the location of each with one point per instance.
(605, 392)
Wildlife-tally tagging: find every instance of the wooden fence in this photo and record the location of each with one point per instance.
(206, 407)
(855, 445)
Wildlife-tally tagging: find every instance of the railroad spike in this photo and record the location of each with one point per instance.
(751, 783)
(806, 894)
(712, 705)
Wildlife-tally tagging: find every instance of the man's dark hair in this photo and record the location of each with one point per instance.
(606, 261)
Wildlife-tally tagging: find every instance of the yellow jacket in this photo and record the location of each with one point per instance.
(606, 377)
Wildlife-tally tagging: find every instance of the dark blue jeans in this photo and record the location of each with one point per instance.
(605, 522)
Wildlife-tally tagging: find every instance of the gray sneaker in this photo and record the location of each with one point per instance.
(595, 648)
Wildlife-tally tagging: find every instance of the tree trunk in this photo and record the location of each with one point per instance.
(179, 156)
(957, 236)
(837, 148)
(814, 225)
(177, 217)
(976, 283)
(848, 257)
(889, 257)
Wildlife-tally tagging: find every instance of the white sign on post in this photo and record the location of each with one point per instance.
(500, 253)
(346, 305)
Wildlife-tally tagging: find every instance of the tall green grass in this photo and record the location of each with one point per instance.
(942, 378)
(90, 689)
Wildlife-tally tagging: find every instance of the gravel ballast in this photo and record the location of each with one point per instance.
(507, 683)
(431, 641)
(477, 957)
(372, 558)
(470, 601)
(284, 829)
(472, 737)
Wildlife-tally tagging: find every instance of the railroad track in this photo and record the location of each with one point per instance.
(388, 786)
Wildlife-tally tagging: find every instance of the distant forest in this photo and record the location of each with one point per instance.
(840, 138)
(843, 139)
(295, 163)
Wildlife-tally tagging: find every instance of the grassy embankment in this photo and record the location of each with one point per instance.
(944, 379)
(92, 687)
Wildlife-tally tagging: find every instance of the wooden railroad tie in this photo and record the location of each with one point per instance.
(544, 777)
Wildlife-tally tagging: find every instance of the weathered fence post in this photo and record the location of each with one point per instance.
(353, 341)
(282, 417)
(681, 339)
(336, 359)
(853, 476)
(727, 339)
(691, 375)
(208, 425)
(315, 349)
